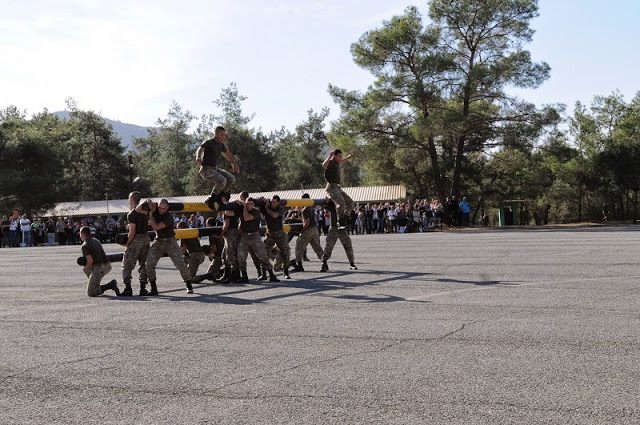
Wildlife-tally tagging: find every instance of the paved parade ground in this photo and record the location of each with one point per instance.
(464, 327)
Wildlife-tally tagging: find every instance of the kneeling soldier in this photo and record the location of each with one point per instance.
(97, 264)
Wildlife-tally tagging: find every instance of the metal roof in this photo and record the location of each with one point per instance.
(103, 207)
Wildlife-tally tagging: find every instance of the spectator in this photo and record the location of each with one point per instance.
(6, 224)
(51, 231)
(452, 211)
(382, 212)
(60, 226)
(25, 228)
(360, 221)
(327, 220)
(14, 229)
(466, 210)
(392, 213)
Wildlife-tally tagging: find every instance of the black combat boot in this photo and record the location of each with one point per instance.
(293, 264)
(325, 267)
(226, 276)
(235, 276)
(128, 291)
(286, 273)
(263, 275)
(352, 266)
(111, 285)
(212, 201)
(143, 291)
(187, 283)
(201, 277)
(298, 267)
(154, 289)
(272, 276)
(243, 276)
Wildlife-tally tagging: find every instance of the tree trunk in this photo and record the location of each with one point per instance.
(435, 167)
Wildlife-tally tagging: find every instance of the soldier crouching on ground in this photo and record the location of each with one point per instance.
(97, 265)
(309, 235)
(192, 251)
(250, 239)
(334, 234)
(162, 222)
(136, 247)
(216, 254)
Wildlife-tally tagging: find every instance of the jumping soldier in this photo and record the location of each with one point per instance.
(344, 204)
(207, 157)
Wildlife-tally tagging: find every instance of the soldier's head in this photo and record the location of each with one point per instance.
(134, 198)
(220, 134)
(275, 201)
(163, 206)
(244, 195)
(85, 233)
(250, 204)
(338, 154)
(183, 225)
(211, 221)
(306, 196)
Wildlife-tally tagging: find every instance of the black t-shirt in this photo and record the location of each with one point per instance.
(332, 172)
(5, 225)
(250, 226)
(167, 219)
(51, 227)
(233, 221)
(274, 224)
(212, 151)
(94, 248)
(140, 220)
(218, 243)
(309, 213)
(192, 244)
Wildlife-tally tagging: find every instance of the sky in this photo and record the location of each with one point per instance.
(128, 60)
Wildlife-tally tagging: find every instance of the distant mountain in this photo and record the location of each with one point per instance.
(126, 132)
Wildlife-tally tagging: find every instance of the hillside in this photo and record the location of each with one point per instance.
(126, 132)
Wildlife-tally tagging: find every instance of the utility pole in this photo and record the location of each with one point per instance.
(130, 173)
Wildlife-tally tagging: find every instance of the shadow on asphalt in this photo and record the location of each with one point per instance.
(317, 285)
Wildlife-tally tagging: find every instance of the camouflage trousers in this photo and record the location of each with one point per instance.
(136, 251)
(308, 236)
(344, 204)
(231, 248)
(169, 246)
(332, 238)
(193, 260)
(95, 275)
(252, 241)
(222, 180)
(279, 238)
(214, 266)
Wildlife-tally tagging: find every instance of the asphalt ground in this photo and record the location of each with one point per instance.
(467, 327)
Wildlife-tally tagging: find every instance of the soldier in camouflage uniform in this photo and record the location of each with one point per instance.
(274, 215)
(309, 235)
(96, 264)
(334, 234)
(342, 201)
(136, 247)
(192, 251)
(250, 239)
(162, 222)
(216, 254)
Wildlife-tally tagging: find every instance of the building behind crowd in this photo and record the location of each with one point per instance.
(120, 207)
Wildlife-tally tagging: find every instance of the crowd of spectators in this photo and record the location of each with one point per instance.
(389, 217)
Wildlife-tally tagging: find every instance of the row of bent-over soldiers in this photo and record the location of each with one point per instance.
(239, 236)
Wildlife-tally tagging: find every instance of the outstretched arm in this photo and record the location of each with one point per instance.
(236, 168)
